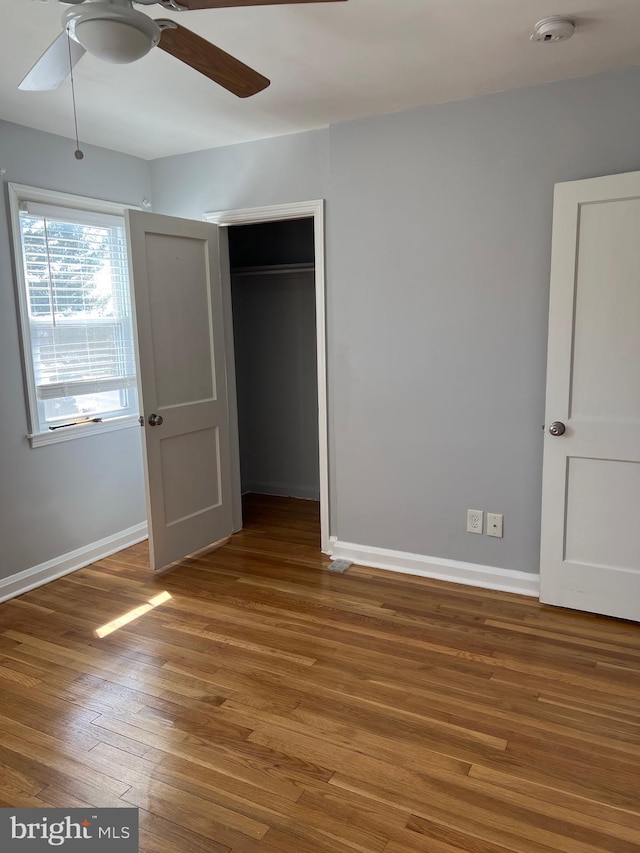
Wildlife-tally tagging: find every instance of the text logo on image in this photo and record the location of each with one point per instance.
(79, 830)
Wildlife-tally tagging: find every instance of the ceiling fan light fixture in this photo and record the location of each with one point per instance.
(113, 41)
(115, 34)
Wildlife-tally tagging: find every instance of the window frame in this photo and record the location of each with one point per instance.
(17, 194)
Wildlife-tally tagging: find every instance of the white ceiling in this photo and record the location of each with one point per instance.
(327, 62)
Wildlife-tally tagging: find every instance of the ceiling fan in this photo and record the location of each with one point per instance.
(116, 32)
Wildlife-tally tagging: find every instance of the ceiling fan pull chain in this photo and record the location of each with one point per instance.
(78, 153)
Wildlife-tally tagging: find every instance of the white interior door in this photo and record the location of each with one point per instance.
(176, 283)
(590, 549)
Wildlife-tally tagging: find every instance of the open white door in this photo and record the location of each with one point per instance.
(590, 549)
(182, 377)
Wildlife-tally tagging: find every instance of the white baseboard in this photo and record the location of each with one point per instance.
(282, 490)
(70, 562)
(471, 574)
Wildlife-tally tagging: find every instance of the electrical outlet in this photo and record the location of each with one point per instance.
(475, 520)
(494, 524)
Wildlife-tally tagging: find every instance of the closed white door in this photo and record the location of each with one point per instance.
(182, 376)
(590, 549)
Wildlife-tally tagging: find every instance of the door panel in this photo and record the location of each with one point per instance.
(606, 348)
(603, 499)
(182, 457)
(183, 310)
(590, 547)
(178, 300)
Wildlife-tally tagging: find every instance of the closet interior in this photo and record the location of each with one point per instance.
(274, 328)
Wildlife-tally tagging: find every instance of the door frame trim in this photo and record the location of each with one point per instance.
(274, 213)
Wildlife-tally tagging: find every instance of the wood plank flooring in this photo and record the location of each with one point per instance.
(270, 706)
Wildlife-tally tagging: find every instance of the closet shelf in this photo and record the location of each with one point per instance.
(273, 269)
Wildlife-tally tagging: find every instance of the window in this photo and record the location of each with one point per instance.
(75, 303)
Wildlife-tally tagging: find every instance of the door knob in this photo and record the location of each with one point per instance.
(557, 428)
(157, 420)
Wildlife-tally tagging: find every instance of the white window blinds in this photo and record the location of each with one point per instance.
(79, 313)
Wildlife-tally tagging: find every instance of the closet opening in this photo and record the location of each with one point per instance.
(313, 211)
(273, 301)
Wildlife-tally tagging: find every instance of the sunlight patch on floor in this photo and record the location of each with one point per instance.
(126, 618)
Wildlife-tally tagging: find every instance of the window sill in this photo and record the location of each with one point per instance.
(82, 431)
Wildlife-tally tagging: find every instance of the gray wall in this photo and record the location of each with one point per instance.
(274, 334)
(60, 497)
(270, 171)
(439, 226)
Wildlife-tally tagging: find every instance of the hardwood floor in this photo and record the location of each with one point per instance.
(270, 706)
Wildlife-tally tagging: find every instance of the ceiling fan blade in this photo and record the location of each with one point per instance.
(53, 66)
(192, 5)
(211, 61)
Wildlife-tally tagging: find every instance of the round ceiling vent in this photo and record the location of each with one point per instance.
(553, 29)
